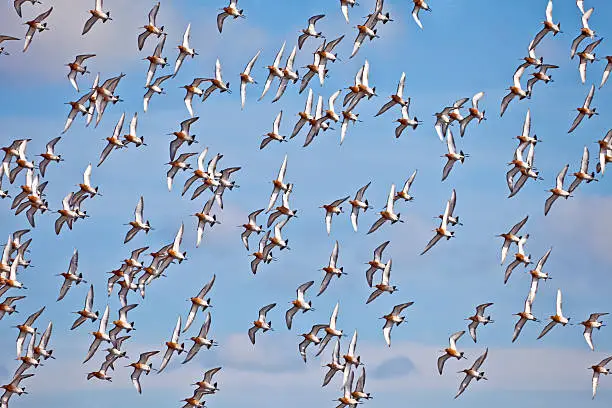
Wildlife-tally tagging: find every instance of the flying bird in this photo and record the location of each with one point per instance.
(524, 315)
(394, 318)
(275, 133)
(384, 285)
(451, 350)
(473, 372)
(216, 83)
(274, 70)
(49, 155)
(366, 30)
(584, 110)
(330, 330)
(549, 27)
(310, 31)
(262, 254)
(27, 328)
(311, 337)
(474, 113)
(585, 32)
(335, 365)
(175, 165)
(511, 237)
(261, 323)
(557, 191)
(536, 275)
(331, 210)
(96, 14)
(172, 346)
(246, 78)
(344, 5)
(151, 28)
(587, 55)
(331, 269)
(358, 203)
(141, 366)
(204, 218)
(519, 258)
(71, 275)
(558, 318)
(583, 174)
(155, 60)
(376, 263)
(597, 370)
(185, 50)
(590, 324)
(200, 340)
(154, 88)
(279, 185)
(452, 156)
(251, 227)
(397, 98)
(388, 213)
(442, 231)
(35, 25)
(515, 90)
(405, 121)
(77, 67)
(199, 302)
(479, 318)
(231, 10)
(138, 224)
(418, 6)
(205, 386)
(99, 336)
(87, 312)
(114, 142)
(299, 303)
(540, 75)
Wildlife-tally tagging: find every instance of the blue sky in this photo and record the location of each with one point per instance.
(460, 52)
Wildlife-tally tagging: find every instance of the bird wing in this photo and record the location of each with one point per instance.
(548, 328)
(588, 331)
(441, 360)
(431, 243)
(220, 19)
(510, 268)
(289, 316)
(264, 310)
(466, 381)
(472, 328)
(549, 202)
(252, 332)
(505, 103)
(480, 360)
(517, 328)
(377, 225)
(454, 337)
(325, 283)
(88, 24)
(576, 122)
(374, 295)
(415, 16)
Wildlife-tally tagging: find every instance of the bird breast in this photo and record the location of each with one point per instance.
(199, 302)
(452, 352)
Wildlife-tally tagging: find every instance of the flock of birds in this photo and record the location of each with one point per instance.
(134, 275)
